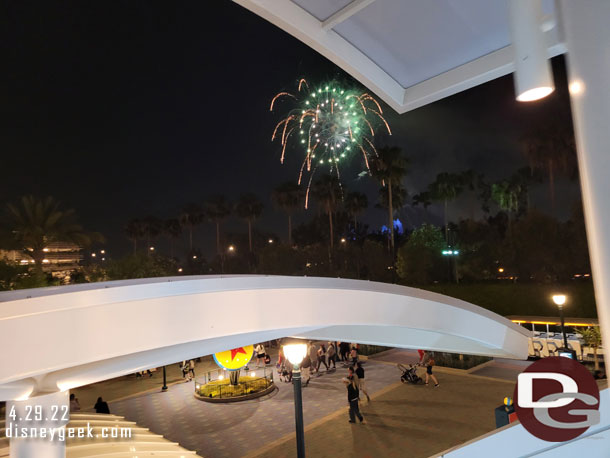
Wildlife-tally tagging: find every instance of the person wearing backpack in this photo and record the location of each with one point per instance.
(353, 398)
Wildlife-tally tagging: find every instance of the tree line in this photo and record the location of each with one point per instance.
(516, 242)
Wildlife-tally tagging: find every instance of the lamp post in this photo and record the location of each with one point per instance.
(164, 387)
(295, 354)
(559, 300)
(453, 254)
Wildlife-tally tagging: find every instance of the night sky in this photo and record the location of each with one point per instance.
(126, 109)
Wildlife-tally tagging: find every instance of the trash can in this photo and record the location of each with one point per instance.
(502, 415)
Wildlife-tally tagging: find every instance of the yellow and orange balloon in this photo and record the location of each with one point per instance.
(234, 359)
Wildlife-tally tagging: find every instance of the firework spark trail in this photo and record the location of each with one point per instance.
(284, 146)
(370, 127)
(366, 160)
(330, 124)
(387, 126)
(284, 130)
(278, 96)
(309, 188)
(372, 99)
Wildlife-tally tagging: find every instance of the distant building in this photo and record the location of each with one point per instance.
(60, 258)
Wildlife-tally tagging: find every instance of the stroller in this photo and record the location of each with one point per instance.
(409, 374)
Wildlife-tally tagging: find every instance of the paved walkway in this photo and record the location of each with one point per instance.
(229, 430)
(405, 421)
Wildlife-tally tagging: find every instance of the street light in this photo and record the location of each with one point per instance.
(452, 255)
(295, 353)
(152, 248)
(270, 241)
(164, 387)
(559, 300)
(343, 240)
(231, 248)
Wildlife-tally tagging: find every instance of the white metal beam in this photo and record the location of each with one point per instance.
(293, 19)
(72, 336)
(345, 13)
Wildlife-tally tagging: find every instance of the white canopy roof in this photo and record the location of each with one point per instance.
(409, 52)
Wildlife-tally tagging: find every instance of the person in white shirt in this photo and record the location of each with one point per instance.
(260, 355)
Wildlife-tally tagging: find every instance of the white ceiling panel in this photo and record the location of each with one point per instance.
(414, 40)
(408, 52)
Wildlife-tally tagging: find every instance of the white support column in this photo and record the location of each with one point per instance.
(37, 414)
(586, 26)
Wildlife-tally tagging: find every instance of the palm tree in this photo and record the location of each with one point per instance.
(507, 195)
(288, 197)
(172, 229)
(249, 207)
(389, 168)
(423, 199)
(446, 187)
(593, 338)
(327, 191)
(216, 210)
(551, 149)
(152, 228)
(134, 231)
(36, 223)
(355, 203)
(192, 215)
(484, 192)
(399, 198)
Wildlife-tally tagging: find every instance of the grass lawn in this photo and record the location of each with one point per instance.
(523, 298)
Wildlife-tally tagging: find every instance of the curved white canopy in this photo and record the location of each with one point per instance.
(409, 52)
(70, 336)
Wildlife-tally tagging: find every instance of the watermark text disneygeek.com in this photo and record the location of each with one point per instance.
(17, 431)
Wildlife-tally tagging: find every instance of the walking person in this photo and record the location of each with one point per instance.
(306, 370)
(360, 380)
(353, 356)
(344, 351)
(185, 370)
(322, 357)
(429, 374)
(260, 355)
(352, 399)
(101, 406)
(331, 353)
(313, 356)
(280, 358)
(191, 369)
